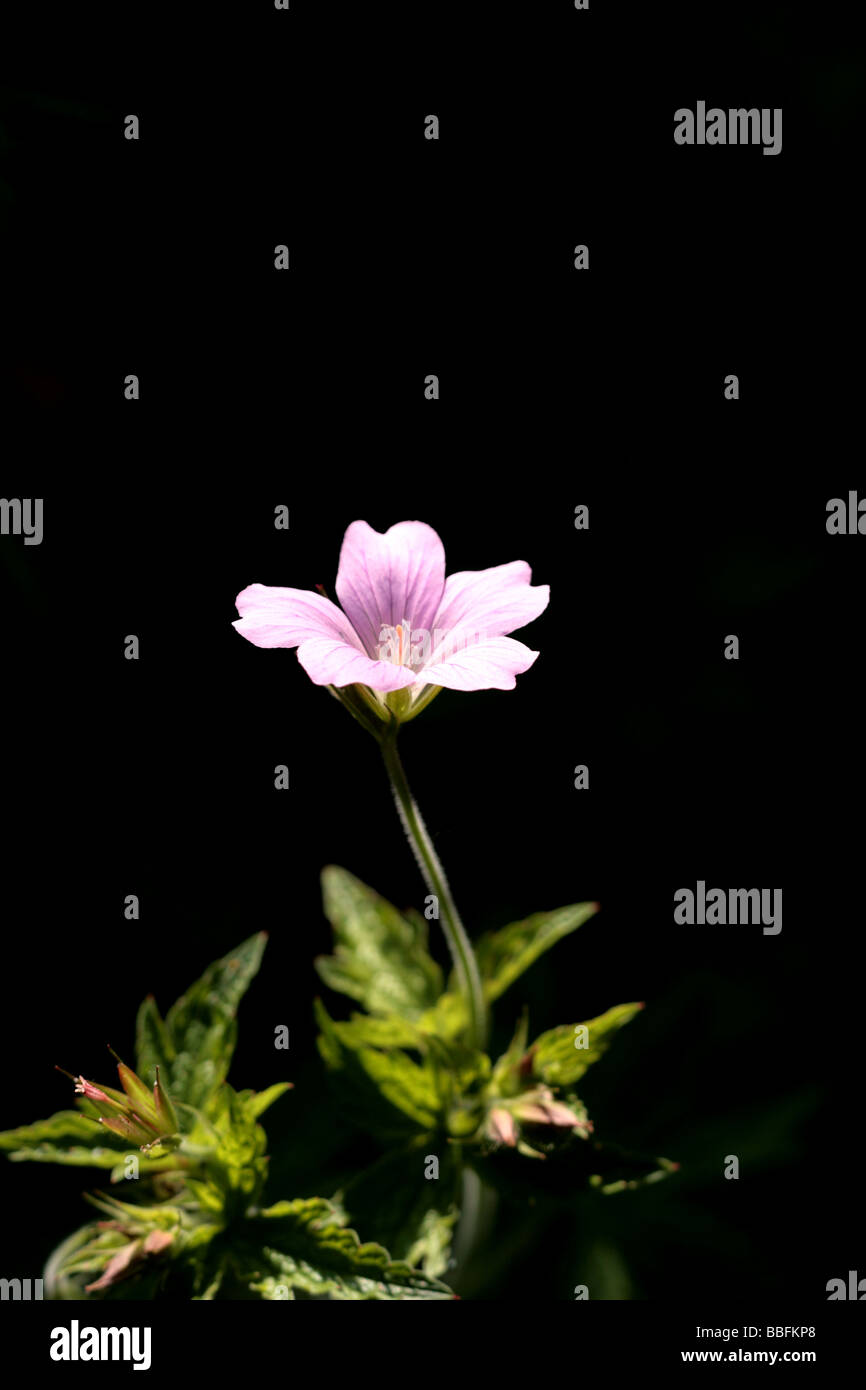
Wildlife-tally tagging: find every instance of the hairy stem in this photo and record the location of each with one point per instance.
(462, 954)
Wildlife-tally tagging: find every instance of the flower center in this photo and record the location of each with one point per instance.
(395, 644)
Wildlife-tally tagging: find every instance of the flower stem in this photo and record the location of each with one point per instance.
(433, 874)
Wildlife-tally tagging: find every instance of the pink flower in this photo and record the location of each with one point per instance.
(402, 625)
(501, 1127)
(508, 1116)
(151, 1121)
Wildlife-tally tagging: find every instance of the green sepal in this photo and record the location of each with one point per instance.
(165, 1112)
(139, 1097)
(130, 1128)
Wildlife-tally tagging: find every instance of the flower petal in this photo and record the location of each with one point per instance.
(491, 602)
(328, 661)
(386, 578)
(501, 1127)
(117, 1265)
(485, 665)
(274, 617)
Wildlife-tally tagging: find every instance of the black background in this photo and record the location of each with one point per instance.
(559, 388)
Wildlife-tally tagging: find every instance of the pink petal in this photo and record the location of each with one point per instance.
(328, 661)
(558, 1114)
(492, 602)
(384, 579)
(490, 665)
(116, 1266)
(273, 617)
(532, 1114)
(501, 1127)
(157, 1241)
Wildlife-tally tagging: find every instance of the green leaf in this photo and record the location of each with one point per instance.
(240, 1153)
(558, 1060)
(72, 1139)
(504, 955)
(152, 1044)
(448, 1019)
(412, 1215)
(307, 1252)
(409, 1087)
(380, 957)
(444, 1087)
(431, 1249)
(382, 1088)
(194, 1046)
(364, 1031)
(257, 1102)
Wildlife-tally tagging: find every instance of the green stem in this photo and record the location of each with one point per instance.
(459, 944)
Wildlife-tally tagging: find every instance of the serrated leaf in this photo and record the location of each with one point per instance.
(431, 1249)
(305, 1251)
(504, 955)
(380, 957)
(408, 1086)
(365, 1031)
(208, 1195)
(194, 1046)
(448, 1019)
(71, 1139)
(242, 1142)
(414, 1216)
(386, 1091)
(559, 1062)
